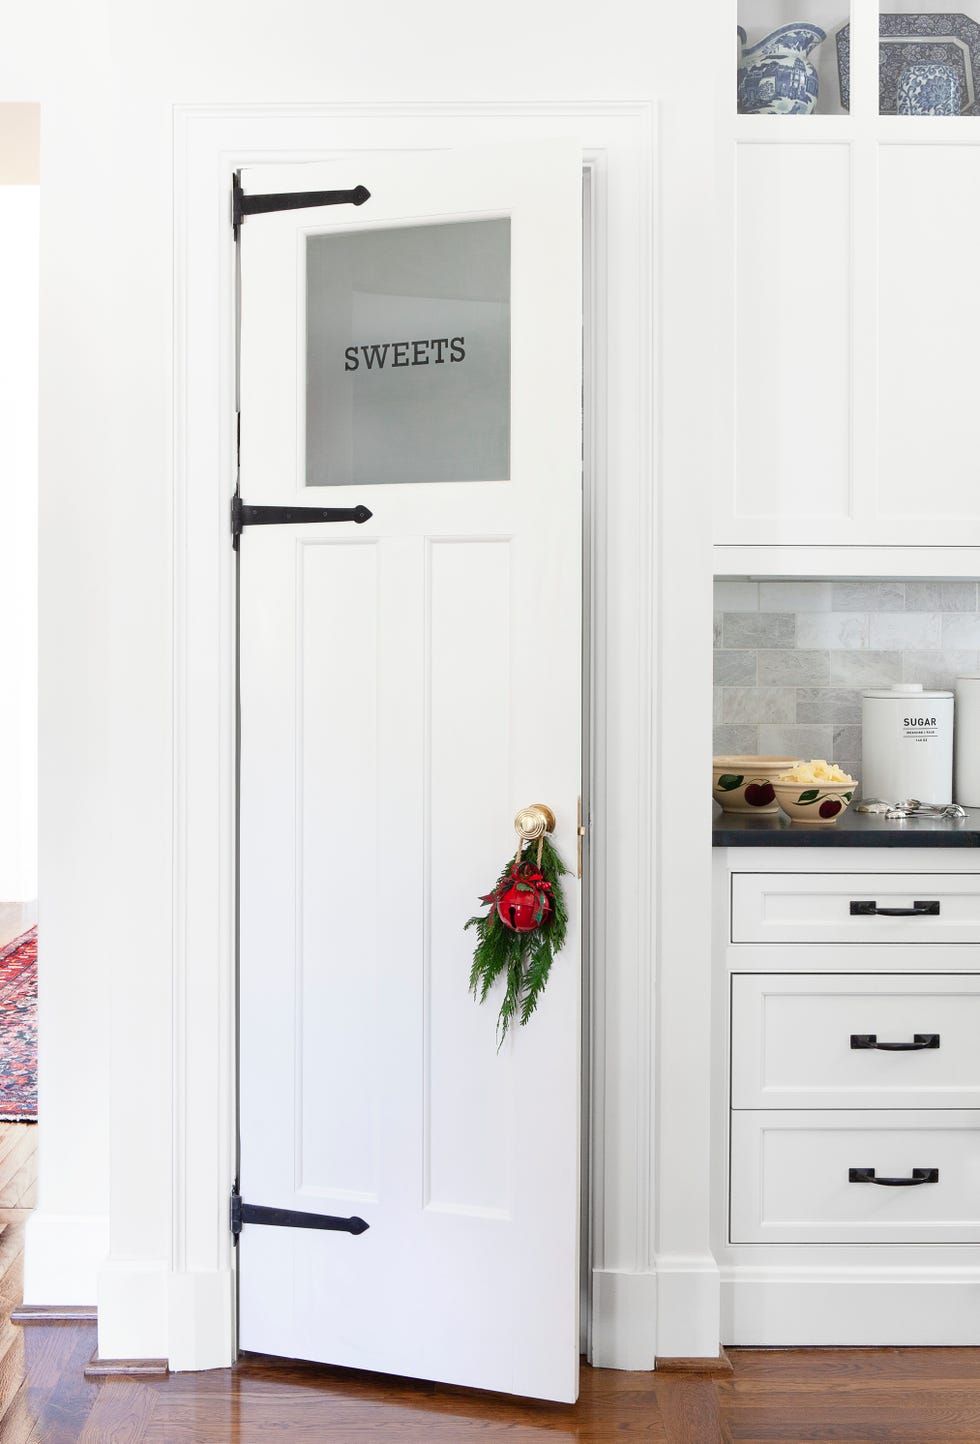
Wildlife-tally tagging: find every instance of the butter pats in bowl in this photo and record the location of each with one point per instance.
(815, 791)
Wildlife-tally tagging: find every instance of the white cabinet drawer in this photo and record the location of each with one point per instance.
(817, 907)
(791, 1177)
(804, 1040)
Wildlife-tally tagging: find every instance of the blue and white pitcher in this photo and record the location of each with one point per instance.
(775, 77)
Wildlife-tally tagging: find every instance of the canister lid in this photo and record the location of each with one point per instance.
(902, 691)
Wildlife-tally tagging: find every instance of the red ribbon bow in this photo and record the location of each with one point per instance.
(522, 872)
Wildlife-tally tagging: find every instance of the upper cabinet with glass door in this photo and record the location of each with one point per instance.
(851, 204)
(787, 57)
(928, 59)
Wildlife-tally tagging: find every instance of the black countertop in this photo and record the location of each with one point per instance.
(854, 829)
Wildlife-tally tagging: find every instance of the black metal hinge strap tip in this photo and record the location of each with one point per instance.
(243, 515)
(872, 910)
(919, 1175)
(243, 205)
(919, 1041)
(243, 1213)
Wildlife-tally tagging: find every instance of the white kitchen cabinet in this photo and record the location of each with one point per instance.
(859, 1041)
(846, 1096)
(855, 907)
(849, 1176)
(848, 370)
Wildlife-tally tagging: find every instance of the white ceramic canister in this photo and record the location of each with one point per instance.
(907, 744)
(968, 741)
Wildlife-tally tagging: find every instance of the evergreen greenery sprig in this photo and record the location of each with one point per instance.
(522, 960)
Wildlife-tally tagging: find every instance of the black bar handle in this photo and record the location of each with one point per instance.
(872, 910)
(919, 1041)
(919, 1175)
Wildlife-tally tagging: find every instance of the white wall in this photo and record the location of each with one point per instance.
(18, 537)
(108, 74)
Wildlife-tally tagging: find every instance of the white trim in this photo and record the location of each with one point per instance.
(63, 1253)
(624, 1319)
(688, 1303)
(903, 562)
(845, 1307)
(132, 1307)
(209, 143)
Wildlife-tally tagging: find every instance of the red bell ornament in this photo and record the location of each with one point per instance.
(524, 905)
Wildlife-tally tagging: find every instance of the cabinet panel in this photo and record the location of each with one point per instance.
(819, 1041)
(929, 318)
(808, 908)
(791, 1177)
(793, 329)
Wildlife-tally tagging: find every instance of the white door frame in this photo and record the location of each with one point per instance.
(619, 144)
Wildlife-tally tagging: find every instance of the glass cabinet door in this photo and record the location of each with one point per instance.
(928, 59)
(788, 65)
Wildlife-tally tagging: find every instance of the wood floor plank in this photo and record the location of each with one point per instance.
(19, 1423)
(122, 1414)
(57, 1393)
(12, 1280)
(690, 1409)
(21, 1190)
(11, 1364)
(18, 1146)
(834, 1365)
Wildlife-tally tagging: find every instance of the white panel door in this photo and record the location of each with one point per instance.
(406, 685)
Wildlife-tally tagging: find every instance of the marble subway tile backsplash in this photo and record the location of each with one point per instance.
(792, 657)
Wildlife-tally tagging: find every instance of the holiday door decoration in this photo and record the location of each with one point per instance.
(524, 930)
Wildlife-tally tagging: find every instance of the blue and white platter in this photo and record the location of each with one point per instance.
(946, 39)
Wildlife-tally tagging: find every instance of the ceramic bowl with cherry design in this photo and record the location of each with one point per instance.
(746, 784)
(816, 802)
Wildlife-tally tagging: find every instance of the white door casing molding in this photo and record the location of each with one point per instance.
(619, 142)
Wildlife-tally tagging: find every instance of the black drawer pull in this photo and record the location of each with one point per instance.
(873, 910)
(919, 1175)
(919, 1041)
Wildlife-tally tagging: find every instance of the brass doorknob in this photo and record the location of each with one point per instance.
(534, 821)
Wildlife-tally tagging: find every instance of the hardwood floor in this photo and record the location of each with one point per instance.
(909, 1396)
(916, 1396)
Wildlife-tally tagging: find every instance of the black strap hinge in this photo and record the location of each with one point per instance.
(243, 515)
(243, 205)
(243, 1213)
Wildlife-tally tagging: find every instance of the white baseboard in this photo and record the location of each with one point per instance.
(133, 1309)
(202, 1315)
(688, 1306)
(63, 1254)
(148, 1312)
(850, 1307)
(624, 1319)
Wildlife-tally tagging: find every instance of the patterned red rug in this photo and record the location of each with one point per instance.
(18, 1029)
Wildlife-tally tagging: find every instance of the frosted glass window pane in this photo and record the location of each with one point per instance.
(408, 355)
